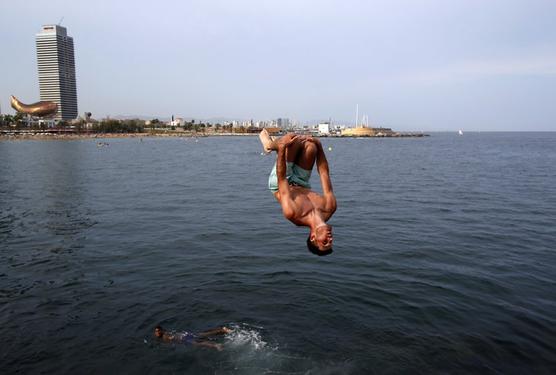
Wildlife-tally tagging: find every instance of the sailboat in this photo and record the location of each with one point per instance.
(460, 132)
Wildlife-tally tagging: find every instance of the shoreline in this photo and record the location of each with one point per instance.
(84, 136)
(51, 136)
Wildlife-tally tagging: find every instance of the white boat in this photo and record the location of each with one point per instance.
(460, 132)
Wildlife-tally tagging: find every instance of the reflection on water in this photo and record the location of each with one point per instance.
(47, 202)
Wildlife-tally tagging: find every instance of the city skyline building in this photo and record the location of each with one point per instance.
(56, 68)
(283, 122)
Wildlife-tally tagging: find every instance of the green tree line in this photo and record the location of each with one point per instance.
(117, 126)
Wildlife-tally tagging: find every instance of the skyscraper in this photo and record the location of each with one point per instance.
(56, 63)
(283, 123)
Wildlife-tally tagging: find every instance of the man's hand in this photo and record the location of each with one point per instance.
(286, 140)
(314, 140)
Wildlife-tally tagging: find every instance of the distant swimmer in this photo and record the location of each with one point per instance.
(289, 182)
(197, 339)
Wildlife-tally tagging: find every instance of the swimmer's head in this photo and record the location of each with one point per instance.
(320, 240)
(158, 331)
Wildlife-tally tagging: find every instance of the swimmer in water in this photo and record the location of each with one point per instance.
(197, 339)
(289, 182)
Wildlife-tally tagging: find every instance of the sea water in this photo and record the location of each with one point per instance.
(444, 258)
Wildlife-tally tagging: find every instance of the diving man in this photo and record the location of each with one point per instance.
(289, 182)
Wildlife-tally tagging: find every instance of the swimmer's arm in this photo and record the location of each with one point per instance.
(286, 201)
(215, 331)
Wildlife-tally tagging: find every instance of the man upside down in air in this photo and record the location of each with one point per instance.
(289, 182)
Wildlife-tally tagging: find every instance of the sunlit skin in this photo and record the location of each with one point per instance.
(300, 205)
(166, 336)
(323, 237)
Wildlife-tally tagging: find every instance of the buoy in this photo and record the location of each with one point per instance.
(329, 148)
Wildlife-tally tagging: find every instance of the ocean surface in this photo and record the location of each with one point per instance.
(444, 258)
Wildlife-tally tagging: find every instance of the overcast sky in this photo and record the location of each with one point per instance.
(409, 64)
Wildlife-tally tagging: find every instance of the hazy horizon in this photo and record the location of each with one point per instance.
(410, 65)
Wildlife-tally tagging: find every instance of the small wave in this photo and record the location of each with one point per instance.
(245, 335)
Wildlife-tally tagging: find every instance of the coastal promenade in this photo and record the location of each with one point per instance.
(69, 134)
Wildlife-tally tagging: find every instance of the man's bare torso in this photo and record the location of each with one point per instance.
(306, 202)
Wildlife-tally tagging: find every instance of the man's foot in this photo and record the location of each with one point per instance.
(266, 140)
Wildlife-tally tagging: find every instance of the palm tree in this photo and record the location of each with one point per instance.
(7, 119)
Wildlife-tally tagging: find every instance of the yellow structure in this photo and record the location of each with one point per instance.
(362, 131)
(358, 132)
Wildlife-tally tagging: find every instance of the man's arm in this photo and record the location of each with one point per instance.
(286, 202)
(324, 173)
(215, 331)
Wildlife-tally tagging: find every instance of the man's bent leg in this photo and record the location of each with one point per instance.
(292, 153)
(269, 144)
(295, 150)
(306, 156)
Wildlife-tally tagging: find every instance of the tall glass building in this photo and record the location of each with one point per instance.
(56, 63)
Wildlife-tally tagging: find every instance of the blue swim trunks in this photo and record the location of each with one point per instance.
(187, 337)
(294, 174)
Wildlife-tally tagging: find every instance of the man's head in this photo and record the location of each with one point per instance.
(320, 240)
(158, 331)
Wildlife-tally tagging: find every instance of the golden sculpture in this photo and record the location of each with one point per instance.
(39, 109)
